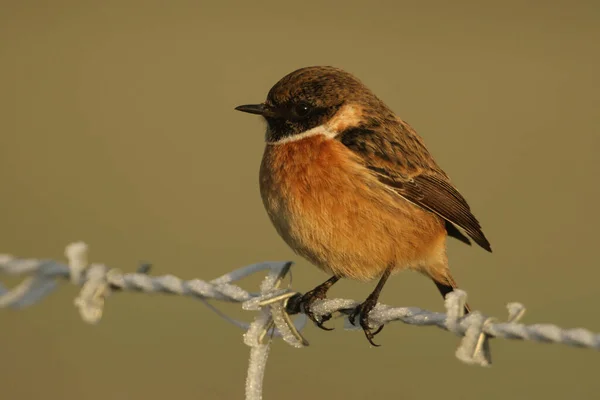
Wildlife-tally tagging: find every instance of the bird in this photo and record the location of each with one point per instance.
(352, 188)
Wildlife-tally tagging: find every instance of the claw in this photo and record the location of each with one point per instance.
(303, 303)
(363, 310)
(324, 319)
(366, 306)
(306, 302)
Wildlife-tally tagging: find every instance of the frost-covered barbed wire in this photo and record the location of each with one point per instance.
(97, 282)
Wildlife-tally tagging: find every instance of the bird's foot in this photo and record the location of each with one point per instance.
(303, 303)
(362, 311)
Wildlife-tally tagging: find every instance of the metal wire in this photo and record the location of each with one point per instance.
(98, 281)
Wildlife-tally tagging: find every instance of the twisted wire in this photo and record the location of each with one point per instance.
(98, 282)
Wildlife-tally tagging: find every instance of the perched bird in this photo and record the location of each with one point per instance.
(352, 188)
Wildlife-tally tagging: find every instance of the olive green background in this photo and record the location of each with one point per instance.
(117, 128)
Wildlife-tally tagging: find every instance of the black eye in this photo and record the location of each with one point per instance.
(302, 110)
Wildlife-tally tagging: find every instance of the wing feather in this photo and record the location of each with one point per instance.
(400, 160)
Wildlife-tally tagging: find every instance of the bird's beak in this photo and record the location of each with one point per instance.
(260, 109)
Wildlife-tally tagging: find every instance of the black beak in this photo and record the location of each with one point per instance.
(260, 109)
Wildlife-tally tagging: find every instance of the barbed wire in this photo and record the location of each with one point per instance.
(97, 282)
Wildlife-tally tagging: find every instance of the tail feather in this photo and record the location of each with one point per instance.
(446, 288)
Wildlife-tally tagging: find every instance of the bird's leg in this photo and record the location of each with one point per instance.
(445, 289)
(365, 308)
(303, 303)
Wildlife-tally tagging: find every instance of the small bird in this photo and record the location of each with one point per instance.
(352, 188)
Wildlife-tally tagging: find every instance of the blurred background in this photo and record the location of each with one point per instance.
(117, 128)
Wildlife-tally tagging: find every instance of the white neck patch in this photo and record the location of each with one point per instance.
(323, 130)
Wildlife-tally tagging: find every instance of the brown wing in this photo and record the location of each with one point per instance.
(400, 160)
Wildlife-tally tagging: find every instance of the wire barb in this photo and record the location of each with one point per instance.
(273, 304)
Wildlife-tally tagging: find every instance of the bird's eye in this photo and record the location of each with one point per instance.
(302, 110)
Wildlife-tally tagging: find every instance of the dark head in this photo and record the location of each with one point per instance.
(315, 97)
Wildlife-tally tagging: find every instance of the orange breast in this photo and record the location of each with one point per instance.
(329, 209)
